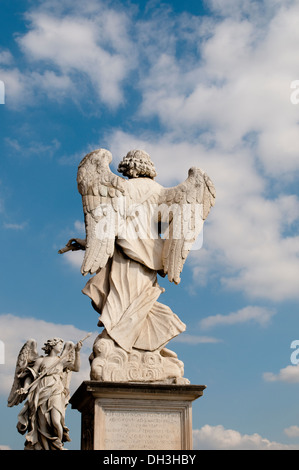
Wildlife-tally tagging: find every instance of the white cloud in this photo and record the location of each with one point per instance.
(55, 86)
(292, 431)
(195, 339)
(97, 47)
(17, 87)
(237, 84)
(15, 331)
(245, 234)
(225, 106)
(25, 87)
(79, 227)
(6, 57)
(71, 49)
(220, 438)
(4, 447)
(254, 244)
(74, 258)
(289, 374)
(259, 315)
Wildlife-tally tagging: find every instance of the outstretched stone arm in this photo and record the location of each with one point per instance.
(73, 244)
(77, 362)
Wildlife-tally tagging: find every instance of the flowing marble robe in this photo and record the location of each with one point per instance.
(125, 290)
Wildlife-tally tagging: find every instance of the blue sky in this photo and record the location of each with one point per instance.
(194, 84)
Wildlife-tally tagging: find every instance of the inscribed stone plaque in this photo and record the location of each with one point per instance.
(142, 430)
(124, 416)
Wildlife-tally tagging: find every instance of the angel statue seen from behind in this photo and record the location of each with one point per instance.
(136, 230)
(43, 381)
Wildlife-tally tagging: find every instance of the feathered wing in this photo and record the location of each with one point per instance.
(102, 196)
(26, 358)
(186, 207)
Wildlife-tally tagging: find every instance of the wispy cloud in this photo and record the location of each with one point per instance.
(15, 226)
(289, 374)
(260, 315)
(33, 147)
(195, 339)
(220, 438)
(292, 431)
(6, 57)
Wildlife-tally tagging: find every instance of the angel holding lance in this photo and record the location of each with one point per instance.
(124, 288)
(44, 382)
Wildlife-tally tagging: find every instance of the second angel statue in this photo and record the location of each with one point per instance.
(43, 382)
(136, 230)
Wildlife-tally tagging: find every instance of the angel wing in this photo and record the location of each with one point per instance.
(26, 358)
(190, 204)
(101, 191)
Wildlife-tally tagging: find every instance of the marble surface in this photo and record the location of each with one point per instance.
(122, 416)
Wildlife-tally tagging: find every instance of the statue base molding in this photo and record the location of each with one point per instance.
(135, 416)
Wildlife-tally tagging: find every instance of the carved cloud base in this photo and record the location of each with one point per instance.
(110, 363)
(119, 416)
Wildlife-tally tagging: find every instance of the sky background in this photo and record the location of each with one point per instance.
(209, 84)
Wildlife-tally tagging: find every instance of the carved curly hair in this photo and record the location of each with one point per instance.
(51, 343)
(137, 164)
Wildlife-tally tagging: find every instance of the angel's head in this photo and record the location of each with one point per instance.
(137, 164)
(52, 343)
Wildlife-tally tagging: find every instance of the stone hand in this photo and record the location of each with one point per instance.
(22, 391)
(73, 244)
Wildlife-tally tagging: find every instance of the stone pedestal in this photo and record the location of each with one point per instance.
(135, 416)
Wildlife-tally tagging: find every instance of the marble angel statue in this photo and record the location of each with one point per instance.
(136, 230)
(43, 382)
